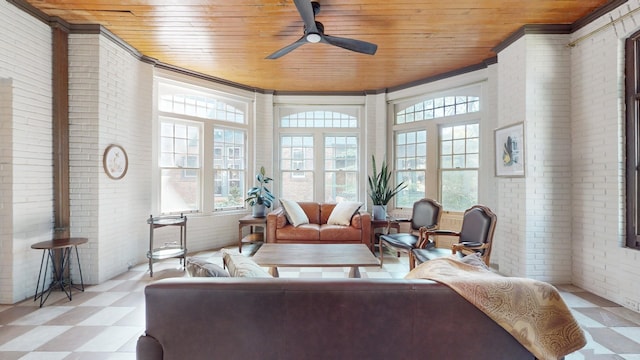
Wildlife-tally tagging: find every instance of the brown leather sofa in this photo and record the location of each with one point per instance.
(252, 318)
(279, 230)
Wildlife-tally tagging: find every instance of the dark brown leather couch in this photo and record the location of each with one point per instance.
(250, 318)
(279, 230)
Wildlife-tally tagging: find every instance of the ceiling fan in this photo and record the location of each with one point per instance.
(314, 33)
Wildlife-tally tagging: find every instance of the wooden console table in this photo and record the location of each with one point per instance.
(253, 236)
(60, 266)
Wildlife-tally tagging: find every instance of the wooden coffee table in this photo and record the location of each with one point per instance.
(315, 255)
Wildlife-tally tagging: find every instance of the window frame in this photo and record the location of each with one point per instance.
(632, 129)
(442, 170)
(417, 171)
(433, 187)
(319, 134)
(206, 186)
(182, 167)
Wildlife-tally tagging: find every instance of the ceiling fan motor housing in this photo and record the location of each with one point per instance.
(314, 33)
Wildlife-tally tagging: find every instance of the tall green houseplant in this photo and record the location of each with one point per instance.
(260, 197)
(380, 190)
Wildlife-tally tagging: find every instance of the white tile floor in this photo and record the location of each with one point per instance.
(105, 321)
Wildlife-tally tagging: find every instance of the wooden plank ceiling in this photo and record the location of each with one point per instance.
(229, 39)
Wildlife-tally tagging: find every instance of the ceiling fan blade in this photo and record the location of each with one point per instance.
(287, 49)
(351, 44)
(306, 13)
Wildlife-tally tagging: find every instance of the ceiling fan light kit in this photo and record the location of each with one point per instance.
(314, 33)
(313, 38)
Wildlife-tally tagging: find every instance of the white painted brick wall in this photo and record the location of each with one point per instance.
(110, 103)
(510, 229)
(84, 156)
(26, 157)
(6, 190)
(534, 228)
(548, 140)
(601, 264)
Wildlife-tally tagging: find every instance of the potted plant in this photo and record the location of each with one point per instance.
(380, 191)
(260, 197)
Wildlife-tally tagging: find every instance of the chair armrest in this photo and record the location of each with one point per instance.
(461, 247)
(442, 232)
(425, 240)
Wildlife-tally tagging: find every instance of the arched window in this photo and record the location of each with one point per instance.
(436, 148)
(319, 153)
(202, 149)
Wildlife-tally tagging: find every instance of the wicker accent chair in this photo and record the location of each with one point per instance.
(476, 235)
(425, 216)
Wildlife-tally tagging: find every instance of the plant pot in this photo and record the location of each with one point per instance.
(379, 212)
(259, 210)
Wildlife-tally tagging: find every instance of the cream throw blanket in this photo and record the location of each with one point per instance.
(531, 311)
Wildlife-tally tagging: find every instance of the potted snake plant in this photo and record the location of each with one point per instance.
(380, 190)
(260, 197)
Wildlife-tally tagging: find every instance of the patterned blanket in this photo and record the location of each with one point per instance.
(531, 311)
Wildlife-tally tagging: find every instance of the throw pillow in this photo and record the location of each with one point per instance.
(343, 212)
(242, 266)
(202, 268)
(294, 212)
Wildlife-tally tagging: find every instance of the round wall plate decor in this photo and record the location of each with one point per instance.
(115, 161)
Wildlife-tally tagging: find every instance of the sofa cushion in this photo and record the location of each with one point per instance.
(313, 211)
(202, 268)
(343, 212)
(242, 266)
(304, 232)
(340, 233)
(294, 212)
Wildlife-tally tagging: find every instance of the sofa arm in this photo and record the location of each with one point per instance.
(362, 220)
(275, 219)
(148, 348)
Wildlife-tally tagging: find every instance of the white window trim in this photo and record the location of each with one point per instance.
(222, 92)
(341, 104)
(432, 172)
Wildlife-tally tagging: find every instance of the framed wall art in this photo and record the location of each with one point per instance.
(509, 151)
(115, 161)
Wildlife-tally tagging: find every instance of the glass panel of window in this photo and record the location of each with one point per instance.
(410, 167)
(437, 108)
(341, 168)
(177, 100)
(318, 119)
(180, 166)
(296, 164)
(229, 161)
(459, 161)
(459, 189)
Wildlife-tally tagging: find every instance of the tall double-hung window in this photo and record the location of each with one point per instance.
(202, 149)
(436, 148)
(319, 153)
